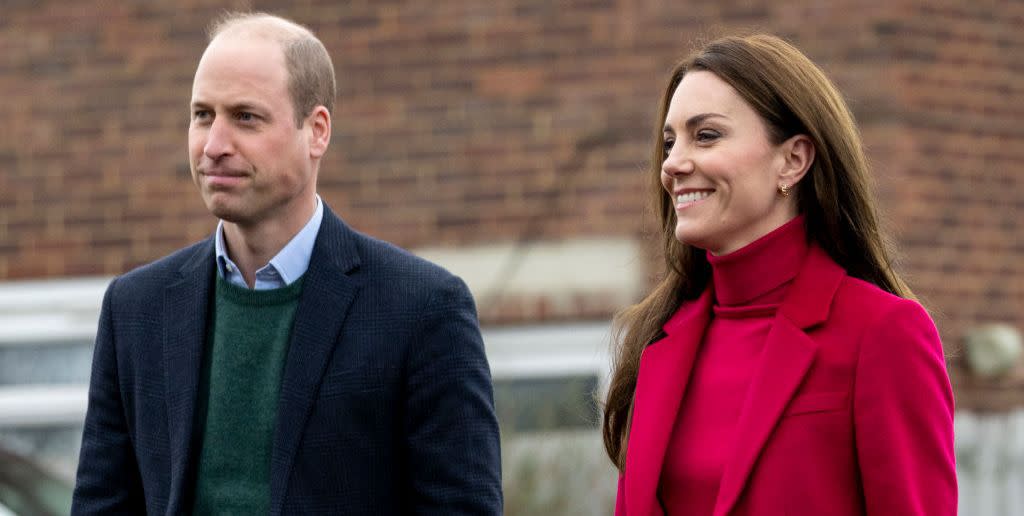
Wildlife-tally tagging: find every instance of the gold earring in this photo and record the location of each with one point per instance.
(784, 190)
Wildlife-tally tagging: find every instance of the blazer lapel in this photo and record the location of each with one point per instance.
(185, 311)
(663, 376)
(327, 292)
(787, 356)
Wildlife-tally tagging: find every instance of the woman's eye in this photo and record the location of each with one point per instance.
(667, 146)
(705, 135)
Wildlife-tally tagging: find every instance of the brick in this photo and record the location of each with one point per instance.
(464, 122)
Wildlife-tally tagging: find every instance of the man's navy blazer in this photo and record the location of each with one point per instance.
(385, 405)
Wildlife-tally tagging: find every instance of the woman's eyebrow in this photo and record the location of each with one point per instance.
(696, 120)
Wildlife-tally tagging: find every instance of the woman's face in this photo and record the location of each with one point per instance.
(721, 169)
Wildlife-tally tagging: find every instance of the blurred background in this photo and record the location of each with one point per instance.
(508, 141)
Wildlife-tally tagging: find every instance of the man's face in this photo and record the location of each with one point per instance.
(250, 162)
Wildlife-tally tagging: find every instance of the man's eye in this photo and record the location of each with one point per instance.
(245, 116)
(200, 114)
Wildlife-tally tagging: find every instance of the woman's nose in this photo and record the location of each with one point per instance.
(677, 162)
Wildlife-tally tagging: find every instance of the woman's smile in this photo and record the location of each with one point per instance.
(691, 198)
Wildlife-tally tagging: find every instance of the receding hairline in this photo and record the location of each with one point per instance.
(258, 25)
(311, 79)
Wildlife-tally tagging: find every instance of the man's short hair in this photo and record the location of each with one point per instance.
(311, 79)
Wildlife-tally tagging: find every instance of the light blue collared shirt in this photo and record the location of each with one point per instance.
(285, 267)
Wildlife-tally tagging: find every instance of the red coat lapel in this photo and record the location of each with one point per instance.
(664, 372)
(788, 355)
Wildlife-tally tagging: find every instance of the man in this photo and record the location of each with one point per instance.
(287, 364)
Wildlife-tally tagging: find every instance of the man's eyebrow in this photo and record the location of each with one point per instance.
(696, 120)
(245, 106)
(238, 106)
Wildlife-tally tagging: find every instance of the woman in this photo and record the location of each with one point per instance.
(781, 367)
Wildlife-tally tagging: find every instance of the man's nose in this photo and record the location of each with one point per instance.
(219, 139)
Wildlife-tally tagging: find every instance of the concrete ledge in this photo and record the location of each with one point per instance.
(573, 279)
(545, 268)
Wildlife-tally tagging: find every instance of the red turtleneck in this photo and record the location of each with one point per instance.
(748, 284)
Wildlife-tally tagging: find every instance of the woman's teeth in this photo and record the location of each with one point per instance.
(692, 196)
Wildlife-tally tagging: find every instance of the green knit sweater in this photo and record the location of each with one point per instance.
(237, 404)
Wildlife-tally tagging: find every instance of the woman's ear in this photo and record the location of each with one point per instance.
(798, 153)
(320, 131)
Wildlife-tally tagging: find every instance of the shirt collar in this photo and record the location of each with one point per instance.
(290, 263)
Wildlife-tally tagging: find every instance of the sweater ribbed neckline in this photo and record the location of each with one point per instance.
(249, 297)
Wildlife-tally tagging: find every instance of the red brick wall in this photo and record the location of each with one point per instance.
(465, 122)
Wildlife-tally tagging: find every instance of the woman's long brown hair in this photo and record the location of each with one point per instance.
(793, 96)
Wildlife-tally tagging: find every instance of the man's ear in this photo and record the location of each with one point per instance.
(798, 153)
(319, 131)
